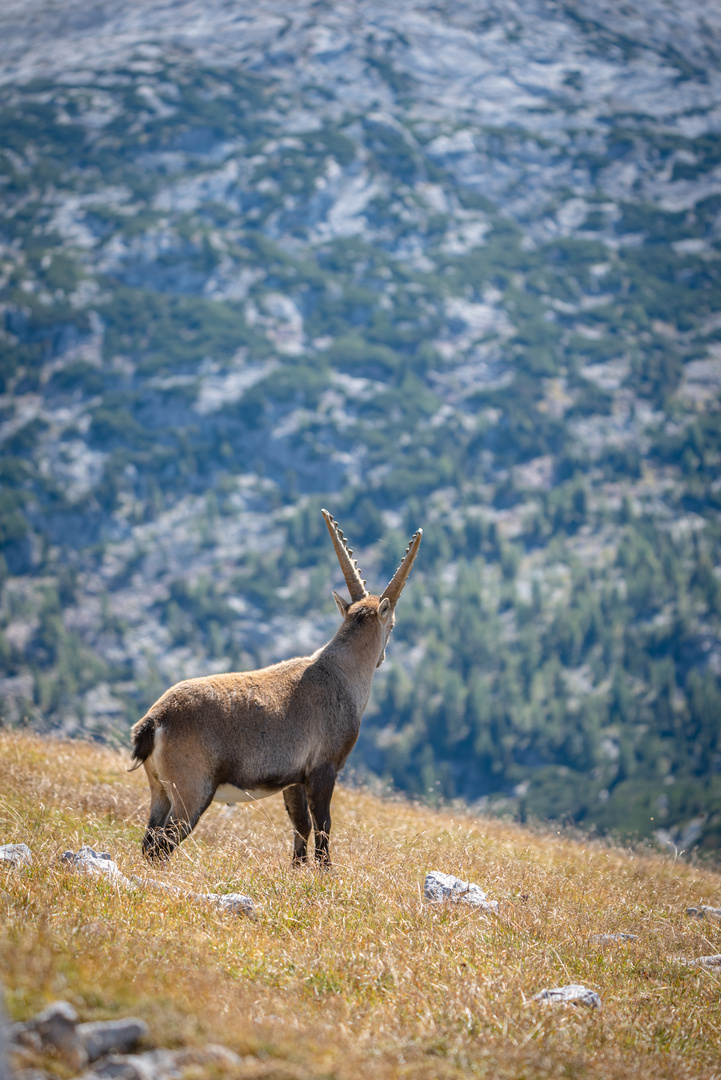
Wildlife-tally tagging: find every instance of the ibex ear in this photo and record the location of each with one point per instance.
(341, 604)
(384, 607)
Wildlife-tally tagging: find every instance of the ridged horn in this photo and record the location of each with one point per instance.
(394, 588)
(351, 573)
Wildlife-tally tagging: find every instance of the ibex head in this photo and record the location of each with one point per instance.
(382, 607)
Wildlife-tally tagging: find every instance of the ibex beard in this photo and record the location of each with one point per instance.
(289, 727)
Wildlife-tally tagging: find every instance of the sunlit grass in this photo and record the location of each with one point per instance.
(350, 973)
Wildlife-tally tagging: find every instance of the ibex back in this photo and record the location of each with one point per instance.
(289, 727)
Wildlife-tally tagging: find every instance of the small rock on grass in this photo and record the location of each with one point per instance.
(706, 961)
(54, 1030)
(440, 887)
(98, 863)
(704, 911)
(12, 855)
(123, 1067)
(607, 939)
(164, 1064)
(106, 1036)
(235, 903)
(101, 864)
(570, 995)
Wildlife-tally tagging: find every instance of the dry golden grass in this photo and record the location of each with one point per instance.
(348, 973)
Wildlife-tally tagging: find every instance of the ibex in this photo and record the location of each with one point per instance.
(289, 727)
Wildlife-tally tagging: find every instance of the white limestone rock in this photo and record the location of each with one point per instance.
(439, 887)
(234, 903)
(101, 864)
(13, 855)
(707, 961)
(572, 994)
(97, 863)
(704, 911)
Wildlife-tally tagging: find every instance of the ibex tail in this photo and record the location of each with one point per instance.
(143, 735)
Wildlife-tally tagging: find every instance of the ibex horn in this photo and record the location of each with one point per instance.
(351, 573)
(395, 587)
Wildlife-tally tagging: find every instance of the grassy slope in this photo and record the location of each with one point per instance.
(349, 973)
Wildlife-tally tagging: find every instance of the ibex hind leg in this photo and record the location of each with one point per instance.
(297, 806)
(160, 808)
(319, 789)
(186, 807)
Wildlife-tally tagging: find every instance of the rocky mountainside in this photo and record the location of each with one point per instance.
(444, 264)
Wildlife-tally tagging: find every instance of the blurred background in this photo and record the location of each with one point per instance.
(455, 265)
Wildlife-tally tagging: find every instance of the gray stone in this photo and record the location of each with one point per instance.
(101, 864)
(607, 939)
(163, 1064)
(707, 961)
(54, 1030)
(570, 995)
(12, 855)
(97, 863)
(440, 887)
(24, 1037)
(111, 1036)
(122, 1067)
(235, 903)
(704, 911)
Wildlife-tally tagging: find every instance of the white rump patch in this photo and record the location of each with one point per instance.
(229, 794)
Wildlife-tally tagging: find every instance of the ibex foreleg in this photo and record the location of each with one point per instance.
(319, 789)
(297, 806)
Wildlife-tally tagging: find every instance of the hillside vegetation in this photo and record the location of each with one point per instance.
(350, 973)
(454, 266)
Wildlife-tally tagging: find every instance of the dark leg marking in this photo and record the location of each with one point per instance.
(160, 807)
(162, 842)
(319, 789)
(297, 806)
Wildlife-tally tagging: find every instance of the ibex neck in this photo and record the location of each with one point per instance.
(354, 651)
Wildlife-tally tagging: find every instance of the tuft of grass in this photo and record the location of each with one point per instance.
(349, 973)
